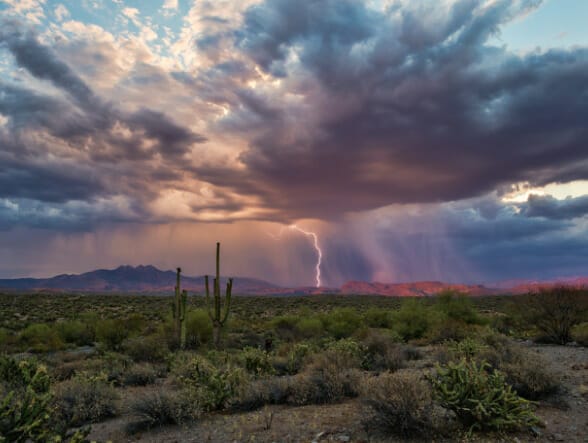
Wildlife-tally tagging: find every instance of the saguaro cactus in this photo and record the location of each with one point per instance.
(214, 306)
(179, 311)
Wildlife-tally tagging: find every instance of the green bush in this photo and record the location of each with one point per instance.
(76, 332)
(285, 327)
(7, 340)
(309, 327)
(377, 318)
(481, 399)
(342, 322)
(398, 404)
(297, 357)
(40, 337)
(412, 320)
(111, 333)
(348, 348)
(151, 348)
(555, 312)
(257, 362)
(198, 328)
(457, 307)
(580, 334)
(211, 387)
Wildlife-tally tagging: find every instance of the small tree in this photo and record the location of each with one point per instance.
(556, 311)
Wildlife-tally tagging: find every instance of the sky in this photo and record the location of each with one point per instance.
(415, 142)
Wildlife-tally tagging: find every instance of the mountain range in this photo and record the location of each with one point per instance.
(149, 279)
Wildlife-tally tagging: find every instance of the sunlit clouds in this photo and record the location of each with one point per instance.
(418, 142)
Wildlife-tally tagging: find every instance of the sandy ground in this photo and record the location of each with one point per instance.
(565, 416)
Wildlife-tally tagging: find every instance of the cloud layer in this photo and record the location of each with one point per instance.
(276, 111)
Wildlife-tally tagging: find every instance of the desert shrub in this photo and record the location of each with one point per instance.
(151, 348)
(412, 320)
(382, 352)
(457, 307)
(257, 362)
(480, 399)
(347, 348)
(86, 399)
(210, 387)
(526, 372)
(309, 327)
(198, 328)
(284, 327)
(580, 334)
(554, 312)
(341, 322)
(297, 357)
(530, 375)
(76, 332)
(111, 333)
(377, 318)
(275, 390)
(160, 408)
(8, 340)
(448, 329)
(398, 404)
(142, 374)
(40, 337)
(324, 381)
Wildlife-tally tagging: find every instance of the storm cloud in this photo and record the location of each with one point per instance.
(394, 128)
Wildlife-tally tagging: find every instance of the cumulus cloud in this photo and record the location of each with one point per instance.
(402, 105)
(395, 119)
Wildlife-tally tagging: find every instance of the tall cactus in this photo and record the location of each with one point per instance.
(179, 311)
(214, 307)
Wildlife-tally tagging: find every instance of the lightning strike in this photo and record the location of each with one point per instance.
(317, 249)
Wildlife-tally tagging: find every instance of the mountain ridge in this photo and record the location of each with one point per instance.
(149, 279)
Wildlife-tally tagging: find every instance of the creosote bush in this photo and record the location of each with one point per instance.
(160, 408)
(398, 404)
(555, 312)
(151, 348)
(86, 398)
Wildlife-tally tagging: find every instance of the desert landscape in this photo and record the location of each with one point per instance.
(399, 187)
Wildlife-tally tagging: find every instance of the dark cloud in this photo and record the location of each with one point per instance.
(48, 182)
(75, 146)
(402, 106)
(549, 207)
(41, 62)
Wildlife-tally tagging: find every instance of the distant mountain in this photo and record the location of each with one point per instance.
(149, 279)
(419, 289)
(131, 279)
(525, 286)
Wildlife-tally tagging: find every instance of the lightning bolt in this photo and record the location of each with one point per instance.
(316, 248)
